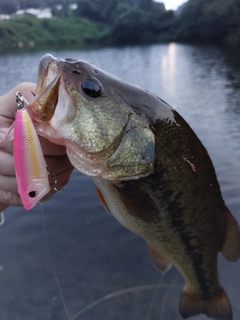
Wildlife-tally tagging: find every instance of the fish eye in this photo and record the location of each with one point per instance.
(92, 88)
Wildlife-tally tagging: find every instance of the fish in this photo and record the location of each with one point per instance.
(30, 166)
(151, 172)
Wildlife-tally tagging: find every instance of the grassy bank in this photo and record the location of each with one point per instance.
(32, 33)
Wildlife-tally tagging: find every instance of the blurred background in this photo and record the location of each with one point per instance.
(67, 258)
(40, 24)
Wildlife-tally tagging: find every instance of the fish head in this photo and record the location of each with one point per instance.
(96, 117)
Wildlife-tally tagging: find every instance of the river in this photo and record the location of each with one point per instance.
(103, 270)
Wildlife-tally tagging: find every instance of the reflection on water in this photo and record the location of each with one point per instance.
(104, 270)
(168, 67)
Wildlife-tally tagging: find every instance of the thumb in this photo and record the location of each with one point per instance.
(8, 101)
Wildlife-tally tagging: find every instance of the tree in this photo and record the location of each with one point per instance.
(97, 10)
(129, 27)
(211, 21)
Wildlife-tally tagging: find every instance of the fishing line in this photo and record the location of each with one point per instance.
(168, 291)
(111, 296)
(2, 219)
(51, 262)
(153, 298)
(157, 287)
(119, 293)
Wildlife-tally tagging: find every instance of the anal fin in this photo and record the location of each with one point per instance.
(161, 262)
(231, 245)
(218, 307)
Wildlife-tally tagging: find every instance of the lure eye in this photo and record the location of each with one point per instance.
(32, 194)
(92, 88)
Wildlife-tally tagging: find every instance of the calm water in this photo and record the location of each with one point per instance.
(104, 270)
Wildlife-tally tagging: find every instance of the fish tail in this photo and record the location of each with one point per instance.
(218, 307)
(231, 245)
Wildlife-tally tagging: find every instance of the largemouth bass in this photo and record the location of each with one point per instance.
(151, 172)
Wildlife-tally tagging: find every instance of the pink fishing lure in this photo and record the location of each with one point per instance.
(30, 166)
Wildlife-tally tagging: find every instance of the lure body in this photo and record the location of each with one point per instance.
(30, 166)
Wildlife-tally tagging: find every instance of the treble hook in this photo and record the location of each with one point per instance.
(53, 181)
(21, 101)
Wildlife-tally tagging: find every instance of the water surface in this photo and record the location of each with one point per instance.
(104, 270)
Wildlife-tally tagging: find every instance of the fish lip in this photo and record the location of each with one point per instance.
(47, 93)
(44, 106)
(48, 65)
(42, 71)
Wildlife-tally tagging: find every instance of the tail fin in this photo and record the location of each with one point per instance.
(217, 308)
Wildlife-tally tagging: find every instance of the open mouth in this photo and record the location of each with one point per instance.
(48, 69)
(43, 107)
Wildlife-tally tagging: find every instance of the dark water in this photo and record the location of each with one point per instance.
(104, 270)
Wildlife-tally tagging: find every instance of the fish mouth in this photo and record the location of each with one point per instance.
(47, 93)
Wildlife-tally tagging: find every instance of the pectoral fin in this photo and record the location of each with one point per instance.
(137, 202)
(102, 200)
(160, 261)
(231, 246)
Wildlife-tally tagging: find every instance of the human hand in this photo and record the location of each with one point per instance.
(55, 155)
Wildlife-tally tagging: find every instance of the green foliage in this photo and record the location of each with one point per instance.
(129, 21)
(97, 10)
(145, 4)
(132, 25)
(119, 22)
(211, 21)
(93, 23)
(128, 27)
(49, 33)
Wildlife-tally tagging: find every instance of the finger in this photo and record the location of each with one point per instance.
(3, 206)
(6, 164)
(58, 164)
(6, 139)
(27, 89)
(8, 101)
(8, 184)
(61, 180)
(8, 198)
(48, 148)
(13, 198)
